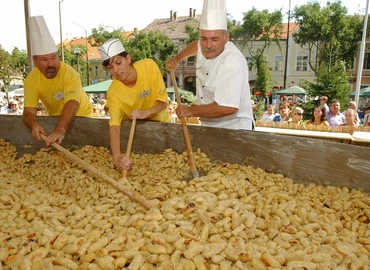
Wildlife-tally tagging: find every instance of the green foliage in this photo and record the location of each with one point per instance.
(103, 33)
(263, 80)
(193, 33)
(333, 84)
(153, 44)
(20, 62)
(330, 30)
(267, 28)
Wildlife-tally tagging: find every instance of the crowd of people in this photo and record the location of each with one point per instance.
(322, 115)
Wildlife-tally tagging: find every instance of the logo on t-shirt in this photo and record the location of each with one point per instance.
(145, 93)
(58, 96)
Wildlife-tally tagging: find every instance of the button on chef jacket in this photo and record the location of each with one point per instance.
(224, 80)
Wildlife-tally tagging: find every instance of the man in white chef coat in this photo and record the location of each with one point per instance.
(223, 92)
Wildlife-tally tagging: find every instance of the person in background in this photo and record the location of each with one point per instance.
(55, 83)
(335, 118)
(171, 110)
(96, 110)
(318, 117)
(223, 92)
(366, 120)
(323, 103)
(296, 116)
(137, 92)
(352, 105)
(350, 116)
(284, 110)
(269, 115)
(14, 108)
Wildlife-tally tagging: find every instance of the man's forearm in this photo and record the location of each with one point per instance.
(67, 116)
(29, 117)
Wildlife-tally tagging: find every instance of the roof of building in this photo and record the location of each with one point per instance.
(174, 26)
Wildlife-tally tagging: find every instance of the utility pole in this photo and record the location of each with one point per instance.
(29, 53)
(287, 48)
(60, 30)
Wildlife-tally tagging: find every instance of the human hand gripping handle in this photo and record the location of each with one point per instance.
(129, 143)
(185, 130)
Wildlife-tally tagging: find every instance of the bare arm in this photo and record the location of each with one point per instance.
(120, 160)
(190, 50)
(143, 114)
(212, 110)
(30, 120)
(65, 120)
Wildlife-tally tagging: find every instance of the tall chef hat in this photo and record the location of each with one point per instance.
(41, 40)
(110, 48)
(214, 15)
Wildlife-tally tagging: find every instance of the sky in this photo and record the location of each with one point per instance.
(78, 15)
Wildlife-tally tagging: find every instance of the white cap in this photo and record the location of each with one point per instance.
(214, 15)
(41, 41)
(110, 48)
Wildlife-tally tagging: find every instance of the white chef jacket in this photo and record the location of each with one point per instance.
(224, 80)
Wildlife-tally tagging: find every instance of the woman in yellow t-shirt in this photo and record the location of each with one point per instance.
(137, 92)
(318, 117)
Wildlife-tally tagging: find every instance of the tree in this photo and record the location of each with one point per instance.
(153, 44)
(20, 62)
(102, 33)
(261, 28)
(332, 83)
(7, 68)
(330, 31)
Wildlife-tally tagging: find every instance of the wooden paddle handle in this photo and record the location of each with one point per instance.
(129, 143)
(185, 130)
(131, 194)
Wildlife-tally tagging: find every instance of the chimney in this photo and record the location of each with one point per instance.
(171, 18)
(135, 30)
(175, 16)
(190, 12)
(194, 12)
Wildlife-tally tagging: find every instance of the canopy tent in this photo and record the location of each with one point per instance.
(98, 88)
(293, 90)
(364, 92)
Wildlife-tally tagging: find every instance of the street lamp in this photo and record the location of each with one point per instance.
(60, 25)
(87, 55)
(77, 52)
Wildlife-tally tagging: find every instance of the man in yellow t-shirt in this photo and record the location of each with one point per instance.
(55, 83)
(137, 92)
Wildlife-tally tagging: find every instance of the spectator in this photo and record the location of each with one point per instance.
(96, 110)
(318, 117)
(335, 118)
(55, 83)
(223, 91)
(366, 120)
(323, 103)
(173, 115)
(352, 105)
(296, 116)
(284, 110)
(350, 118)
(14, 108)
(269, 115)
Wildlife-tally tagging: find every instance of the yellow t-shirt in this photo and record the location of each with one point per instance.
(54, 93)
(149, 88)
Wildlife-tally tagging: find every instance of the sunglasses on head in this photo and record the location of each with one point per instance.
(300, 114)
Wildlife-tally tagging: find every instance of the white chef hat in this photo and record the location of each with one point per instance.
(214, 15)
(111, 48)
(41, 40)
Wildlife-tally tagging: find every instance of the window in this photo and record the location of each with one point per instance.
(367, 60)
(278, 63)
(302, 63)
(96, 71)
(249, 61)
